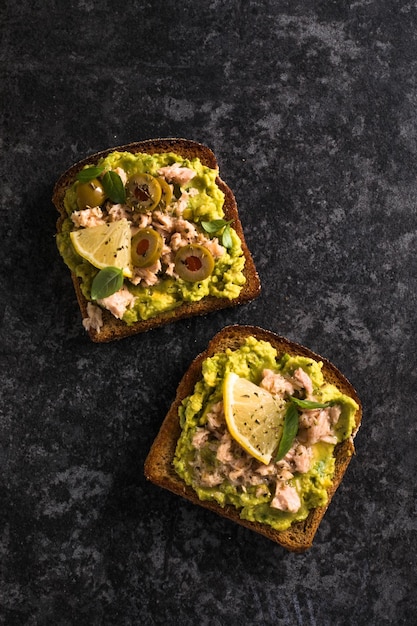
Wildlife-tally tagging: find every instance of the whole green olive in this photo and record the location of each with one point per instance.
(194, 262)
(90, 194)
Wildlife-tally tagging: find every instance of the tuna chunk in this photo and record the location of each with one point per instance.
(212, 246)
(303, 380)
(316, 426)
(163, 223)
(88, 217)
(140, 220)
(94, 319)
(211, 479)
(187, 232)
(215, 417)
(299, 457)
(147, 275)
(224, 453)
(200, 438)
(286, 498)
(276, 384)
(118, 302)
(118, 212)
(177, 174)
(267, 470)
(334, 413)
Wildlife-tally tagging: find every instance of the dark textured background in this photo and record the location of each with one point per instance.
(310, 108)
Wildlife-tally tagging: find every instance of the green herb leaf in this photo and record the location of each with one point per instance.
(227, 237)
(311, 404)
(214, 226)
(106, 282)
(89, 173)
(289, 431)
(114, 187)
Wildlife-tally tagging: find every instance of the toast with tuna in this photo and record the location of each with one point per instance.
(162, 461)
(104, 322)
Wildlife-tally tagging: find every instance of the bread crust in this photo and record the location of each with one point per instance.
(158, 466)
(114, 328)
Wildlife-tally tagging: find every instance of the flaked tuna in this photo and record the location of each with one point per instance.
(88, 218)
(286, 498)
(217, 452)
(177, 174)
(118, 302)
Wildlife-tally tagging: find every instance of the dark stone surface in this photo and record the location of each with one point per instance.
(310, 108)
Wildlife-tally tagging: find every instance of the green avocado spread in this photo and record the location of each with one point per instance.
(217, 468)
(188, 213)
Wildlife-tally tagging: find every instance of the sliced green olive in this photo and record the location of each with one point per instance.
(166, 195)
(90, 194)
(146, 248)
(143, 192)
(194, 263)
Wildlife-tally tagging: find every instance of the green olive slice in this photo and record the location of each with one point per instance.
(143, 192)
(194, 263)
(146, 247)
(166, 195)
(90, 194)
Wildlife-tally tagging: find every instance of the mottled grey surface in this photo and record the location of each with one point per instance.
(311, 110)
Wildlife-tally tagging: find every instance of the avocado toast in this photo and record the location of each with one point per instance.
(204, 457)
(151, 234)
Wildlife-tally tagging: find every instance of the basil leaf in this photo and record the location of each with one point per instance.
(311, 404)
(106, 282)
(214, 225)
(89, 173)
(114, 187)
(226, 237)
(289, 431)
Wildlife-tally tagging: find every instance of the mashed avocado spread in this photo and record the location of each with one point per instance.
(182, 247)
(217, 468)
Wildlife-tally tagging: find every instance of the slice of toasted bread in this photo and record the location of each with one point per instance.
(114, 328)
(159, 468)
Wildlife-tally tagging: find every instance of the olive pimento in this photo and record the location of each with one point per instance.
(143, 192)
(90, 194)
(194, 262)
(146, 247)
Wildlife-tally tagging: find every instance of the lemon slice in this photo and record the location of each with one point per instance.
(105, 245)
(253, 417)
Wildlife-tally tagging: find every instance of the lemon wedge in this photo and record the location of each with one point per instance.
(105, 245)
(254, 417)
